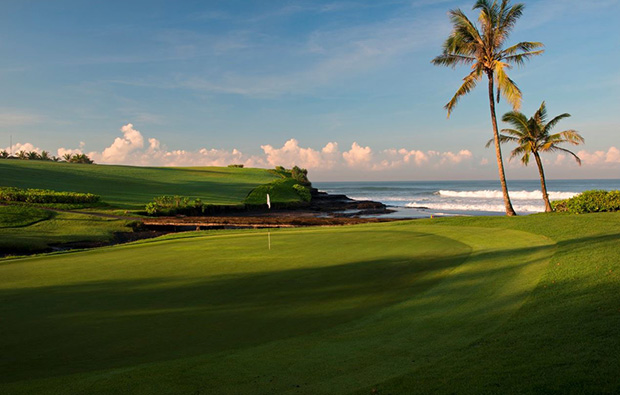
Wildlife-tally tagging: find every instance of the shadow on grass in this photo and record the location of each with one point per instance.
(59, 330)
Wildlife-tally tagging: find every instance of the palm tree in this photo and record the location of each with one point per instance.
(483, 50)
(533, 137)
(67, 157)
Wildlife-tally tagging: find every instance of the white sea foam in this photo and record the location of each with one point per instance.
(382, 198)
(514, 195)
(482, 206)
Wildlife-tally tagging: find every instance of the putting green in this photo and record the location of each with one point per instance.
(325, 310)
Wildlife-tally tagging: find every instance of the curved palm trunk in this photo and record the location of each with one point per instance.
(498, 152)
(543, 183)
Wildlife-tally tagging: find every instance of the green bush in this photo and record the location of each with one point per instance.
(180, 205)
(44, 196)
(236, 165)
(590, 202)
(303, 192)
(300, 175)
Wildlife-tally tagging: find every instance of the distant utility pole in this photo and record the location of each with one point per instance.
(11, 144)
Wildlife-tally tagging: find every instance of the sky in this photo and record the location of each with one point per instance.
(343, 88)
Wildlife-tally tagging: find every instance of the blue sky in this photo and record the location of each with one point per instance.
(344, 88)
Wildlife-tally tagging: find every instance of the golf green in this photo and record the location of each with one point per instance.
(325, 310)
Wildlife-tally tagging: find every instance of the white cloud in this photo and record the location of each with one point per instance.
(462, 155)
(133, 148)
(27, 147)
(357, 155)
(120, 149)
(292, 154)
(611, 156)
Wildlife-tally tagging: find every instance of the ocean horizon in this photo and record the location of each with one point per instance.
(420, 199)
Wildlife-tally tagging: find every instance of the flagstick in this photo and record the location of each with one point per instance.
(268, 232)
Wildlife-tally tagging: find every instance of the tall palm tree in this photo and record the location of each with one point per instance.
(533, 137)
(482, 49)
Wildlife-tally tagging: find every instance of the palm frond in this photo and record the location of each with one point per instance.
(518, 120)
(463, 28)
(452, 60)
(507, 87)
(524, 46)
(556, 148)
(540, 116)
(521, 150)
(510, 16)
(469, 83)
(514, 135)
(502, 139)
(555, 121)
(568, 136)
(520, 59)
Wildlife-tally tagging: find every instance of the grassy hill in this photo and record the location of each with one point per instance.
(459, 305)
(129, 187)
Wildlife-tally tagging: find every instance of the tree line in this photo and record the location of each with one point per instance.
(45, 156)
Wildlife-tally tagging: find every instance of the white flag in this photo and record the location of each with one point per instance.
(268, 202)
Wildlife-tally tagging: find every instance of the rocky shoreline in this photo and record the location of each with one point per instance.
(342, 205)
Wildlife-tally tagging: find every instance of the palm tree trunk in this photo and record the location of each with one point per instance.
(543, 183)
(498, 151)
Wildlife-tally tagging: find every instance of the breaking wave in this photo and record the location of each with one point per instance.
(514, 195)
(482, 206)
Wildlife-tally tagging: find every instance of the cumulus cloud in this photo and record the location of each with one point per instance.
(292, 154)
(609, 157)
(122, 147)
(27, 147)
(357, 155)
(134, 148)
(462, 155)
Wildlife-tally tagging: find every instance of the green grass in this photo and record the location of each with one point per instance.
(39, 230)
(128, 187)
(465, 305)
(280, 191)
(17, 216)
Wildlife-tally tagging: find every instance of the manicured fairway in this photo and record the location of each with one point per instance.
(130, 187)
(27, 229)
(445, 305)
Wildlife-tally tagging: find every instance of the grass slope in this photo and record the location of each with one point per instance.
(130, 187)
(33, 230)
(17, 216)
(527, 304)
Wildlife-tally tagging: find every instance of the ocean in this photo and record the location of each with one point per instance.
(419, 199)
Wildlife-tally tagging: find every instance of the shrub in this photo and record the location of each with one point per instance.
(590, 202)
(300, 175)
(303, 192)
(240, 166)
(173, 205)
(44, 196)
(152, 208)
